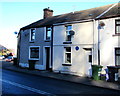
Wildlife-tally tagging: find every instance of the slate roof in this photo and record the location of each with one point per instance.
(77, 16)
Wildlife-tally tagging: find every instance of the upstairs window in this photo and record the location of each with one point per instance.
(48, 33)
(34, 52)
(32, 34)
(67, 55)
(117, 56)
(68, 36)
(117, 27)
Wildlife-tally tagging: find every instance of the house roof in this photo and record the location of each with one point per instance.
(78, 16)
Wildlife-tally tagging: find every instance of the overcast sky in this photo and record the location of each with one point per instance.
(14, 15)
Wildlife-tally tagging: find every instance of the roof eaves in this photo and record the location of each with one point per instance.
(72, 22)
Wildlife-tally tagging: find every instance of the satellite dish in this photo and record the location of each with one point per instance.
(102, 24)
(15, 33)
(71, 32)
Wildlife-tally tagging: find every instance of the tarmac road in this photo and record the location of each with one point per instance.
(26, 84)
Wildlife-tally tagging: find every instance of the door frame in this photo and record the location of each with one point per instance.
(88, 52)
(44, 56)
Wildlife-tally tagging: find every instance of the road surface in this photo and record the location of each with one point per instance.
(16, 83)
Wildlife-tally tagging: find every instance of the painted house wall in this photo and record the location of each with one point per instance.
(18, 48)
(25, 44)
(108, 42)
(86, 36)
(83, 38)
(83, 33)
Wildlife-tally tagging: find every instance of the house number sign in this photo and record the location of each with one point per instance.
(77, 48)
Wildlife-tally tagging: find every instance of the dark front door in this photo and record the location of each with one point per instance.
(47, 49)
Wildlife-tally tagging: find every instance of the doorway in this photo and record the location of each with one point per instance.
(88, 68)
(47, 58)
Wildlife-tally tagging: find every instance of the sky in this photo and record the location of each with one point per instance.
(15, 15)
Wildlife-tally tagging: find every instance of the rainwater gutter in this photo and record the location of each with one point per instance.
(57, 24)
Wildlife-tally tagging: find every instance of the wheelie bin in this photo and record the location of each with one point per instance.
(31, 64)
(96, 69)
(113, 73)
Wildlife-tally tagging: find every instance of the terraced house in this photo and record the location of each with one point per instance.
(70, 43)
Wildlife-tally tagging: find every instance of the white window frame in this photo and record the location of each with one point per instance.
(116, 56)
(31, 35)
(116, 26)
(68, 31)
(65, 54)
(45, 35)
(30, 52)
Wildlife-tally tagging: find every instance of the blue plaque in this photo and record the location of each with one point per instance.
(77, 48)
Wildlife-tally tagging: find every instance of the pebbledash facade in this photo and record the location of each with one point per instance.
(72, 42)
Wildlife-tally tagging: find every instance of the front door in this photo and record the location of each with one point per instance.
(47, 52)
(88, 63)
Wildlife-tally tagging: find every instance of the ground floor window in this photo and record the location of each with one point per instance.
(67, 55)
(117, 56)
(90, 58)
(34, 52)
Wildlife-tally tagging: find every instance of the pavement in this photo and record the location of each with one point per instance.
(66, 77)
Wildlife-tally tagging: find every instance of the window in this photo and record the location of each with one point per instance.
(90, 58)
(68, 36)
(68, 55)
(48, 33)
(32, 34)
(117, 56)
(34, 52)
(117, 29)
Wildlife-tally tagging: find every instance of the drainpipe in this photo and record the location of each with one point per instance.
(52, 49)
(98, 45)
(93, 40)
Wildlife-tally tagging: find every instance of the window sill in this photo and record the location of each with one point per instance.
(116, 35)
(34, 59)
(47, 40)
(31, 41)
(67, 42)
(67, 64)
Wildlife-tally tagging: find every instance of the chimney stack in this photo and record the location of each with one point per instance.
(47, 13)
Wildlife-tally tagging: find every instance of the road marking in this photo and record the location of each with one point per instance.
(27, 87)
